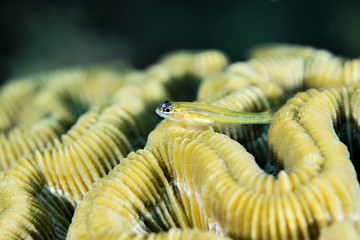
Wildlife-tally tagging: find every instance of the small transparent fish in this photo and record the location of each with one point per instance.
(196, 114)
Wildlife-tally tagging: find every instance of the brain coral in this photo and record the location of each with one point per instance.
(82, 155)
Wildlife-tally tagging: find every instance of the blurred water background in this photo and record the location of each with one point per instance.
(40, 35)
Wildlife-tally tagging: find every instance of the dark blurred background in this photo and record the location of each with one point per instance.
(40, 35)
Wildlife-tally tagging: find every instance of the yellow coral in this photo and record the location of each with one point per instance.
(23, 212)
(341, 230)
(76, 125)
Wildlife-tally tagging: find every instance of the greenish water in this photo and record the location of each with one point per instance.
(41, 35)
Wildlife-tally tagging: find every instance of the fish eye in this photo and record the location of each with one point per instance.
(167, 109)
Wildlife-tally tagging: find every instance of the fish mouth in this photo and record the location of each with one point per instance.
(158, 111)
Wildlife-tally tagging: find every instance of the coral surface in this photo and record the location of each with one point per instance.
(84, 156)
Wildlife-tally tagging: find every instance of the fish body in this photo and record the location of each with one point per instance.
(193, 113)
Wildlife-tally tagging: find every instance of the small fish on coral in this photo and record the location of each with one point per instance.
(192, 113)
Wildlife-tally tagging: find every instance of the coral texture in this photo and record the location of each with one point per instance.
(82, 157)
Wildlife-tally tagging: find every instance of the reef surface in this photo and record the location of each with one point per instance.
(84, 156)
